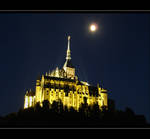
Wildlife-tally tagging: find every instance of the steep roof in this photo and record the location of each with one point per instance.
(59, 79)
(30, 93)
(68, 63)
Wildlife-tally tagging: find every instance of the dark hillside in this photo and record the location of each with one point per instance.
(55, 116)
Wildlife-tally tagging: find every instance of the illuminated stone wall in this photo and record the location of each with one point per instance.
(63, 84)
(29, 101)
(70, 92)
(70, 72)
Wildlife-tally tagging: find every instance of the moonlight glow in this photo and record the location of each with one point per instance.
(93, 27)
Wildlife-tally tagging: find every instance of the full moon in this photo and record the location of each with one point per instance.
(93, 27)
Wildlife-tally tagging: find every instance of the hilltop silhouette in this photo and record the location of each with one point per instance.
(56, 115)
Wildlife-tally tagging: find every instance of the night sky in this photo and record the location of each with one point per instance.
(116, 56)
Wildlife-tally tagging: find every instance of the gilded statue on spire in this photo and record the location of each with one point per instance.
(68, 57)
(68, 37)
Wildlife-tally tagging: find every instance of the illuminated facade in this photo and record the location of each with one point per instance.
(63, 84)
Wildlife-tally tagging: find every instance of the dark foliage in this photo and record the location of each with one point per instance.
(57, 115)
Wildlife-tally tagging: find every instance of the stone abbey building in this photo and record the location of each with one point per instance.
(63, 84)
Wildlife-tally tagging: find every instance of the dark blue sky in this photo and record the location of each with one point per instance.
(116, 56)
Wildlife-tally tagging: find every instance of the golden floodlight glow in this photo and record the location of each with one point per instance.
(66, 86)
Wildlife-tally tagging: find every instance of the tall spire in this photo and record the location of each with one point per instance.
(68, 57)
(68, 67)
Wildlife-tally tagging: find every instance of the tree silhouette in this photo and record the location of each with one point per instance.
(56, 115)
(46, 105)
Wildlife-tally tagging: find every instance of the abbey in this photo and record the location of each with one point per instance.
(63, 84)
